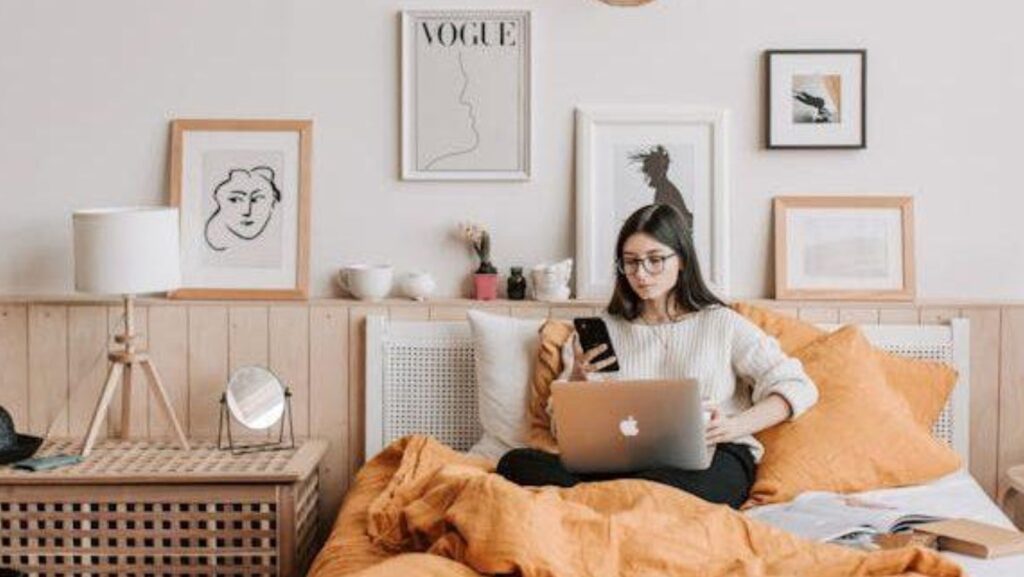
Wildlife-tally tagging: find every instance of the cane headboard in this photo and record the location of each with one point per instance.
(420, 378)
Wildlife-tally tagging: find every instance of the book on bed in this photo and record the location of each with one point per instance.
(834, 518)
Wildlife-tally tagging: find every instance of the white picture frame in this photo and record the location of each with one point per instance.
(608, 139)
(844, 248)
(243, 191)
(467, 94)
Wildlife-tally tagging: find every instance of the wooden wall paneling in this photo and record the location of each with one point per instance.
(329, 388)
(14, 363)
(458, 312)
(1011, 392)
(899, 316)
(985, 335)
(858, 316)
(207, 366)
(289, 358)
(570, 312)
(357, 381)
(938, 315)
(140, 388)
(248, 336)
(818, 315)
(496, 309)
(530, 312)
(248, 344)
(409, 313)
(48, 369)
(168, 349)
(438, 313)
(87, 365)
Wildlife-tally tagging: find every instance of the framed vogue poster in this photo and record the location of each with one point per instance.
(242, 189)
(466, 94)
(844, 247)
(816, 98)
(629, 157)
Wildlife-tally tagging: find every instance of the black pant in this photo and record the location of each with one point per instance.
(727, 480)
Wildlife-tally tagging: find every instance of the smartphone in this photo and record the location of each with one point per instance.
(593, 332)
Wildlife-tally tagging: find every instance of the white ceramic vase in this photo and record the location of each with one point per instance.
(418, 285)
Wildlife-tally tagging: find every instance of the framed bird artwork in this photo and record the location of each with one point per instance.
(816, 99)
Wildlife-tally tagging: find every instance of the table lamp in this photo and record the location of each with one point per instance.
(127, 251)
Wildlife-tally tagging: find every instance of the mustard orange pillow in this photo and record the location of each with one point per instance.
(792, 333)
(861, 435)
(553, 335)
(925, 385)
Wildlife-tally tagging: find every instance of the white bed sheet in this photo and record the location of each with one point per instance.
(956, 495)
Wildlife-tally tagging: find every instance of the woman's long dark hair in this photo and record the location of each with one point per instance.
(665, 224)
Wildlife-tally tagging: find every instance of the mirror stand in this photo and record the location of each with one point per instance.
(278, 445)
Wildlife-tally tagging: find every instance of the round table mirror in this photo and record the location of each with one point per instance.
(255, 397)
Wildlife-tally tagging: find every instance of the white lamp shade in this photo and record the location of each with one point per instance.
(126, 250)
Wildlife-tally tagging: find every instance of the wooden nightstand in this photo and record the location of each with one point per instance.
(150, 508)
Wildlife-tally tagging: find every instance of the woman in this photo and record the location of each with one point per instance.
(666, 324)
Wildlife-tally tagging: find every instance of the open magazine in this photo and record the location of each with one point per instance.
(839, 518)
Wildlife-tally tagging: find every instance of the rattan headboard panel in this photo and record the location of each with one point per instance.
(421, 378)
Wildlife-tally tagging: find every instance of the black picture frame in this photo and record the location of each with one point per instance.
(770, 142)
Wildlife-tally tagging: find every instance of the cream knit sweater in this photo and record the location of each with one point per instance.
(735, 363)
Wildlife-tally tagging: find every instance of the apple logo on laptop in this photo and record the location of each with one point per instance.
(628, 427)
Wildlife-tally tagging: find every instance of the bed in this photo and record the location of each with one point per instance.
(421, 380)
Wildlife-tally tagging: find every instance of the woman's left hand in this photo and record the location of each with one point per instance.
(722, 428)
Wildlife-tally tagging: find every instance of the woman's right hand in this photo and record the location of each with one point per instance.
(583, 363)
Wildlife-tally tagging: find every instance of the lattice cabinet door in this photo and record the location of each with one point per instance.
(85, 522)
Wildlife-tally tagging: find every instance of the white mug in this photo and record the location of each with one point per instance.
(366, 281)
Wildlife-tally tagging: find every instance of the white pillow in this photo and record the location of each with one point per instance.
(505, 351)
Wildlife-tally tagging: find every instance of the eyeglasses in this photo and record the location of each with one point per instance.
(653, 264)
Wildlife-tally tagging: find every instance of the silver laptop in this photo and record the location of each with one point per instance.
(623, 426)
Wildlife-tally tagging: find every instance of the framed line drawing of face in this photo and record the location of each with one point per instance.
(629, 157)
(816, 98)
(466, 94)
(844, 247)
(242, 189)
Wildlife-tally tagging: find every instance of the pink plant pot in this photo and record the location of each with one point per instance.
(485, 286)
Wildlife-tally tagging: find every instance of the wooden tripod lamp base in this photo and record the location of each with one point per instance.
(127, 251)
(123, 365)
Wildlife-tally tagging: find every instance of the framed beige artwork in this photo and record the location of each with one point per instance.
(844, 248)
(242, 188)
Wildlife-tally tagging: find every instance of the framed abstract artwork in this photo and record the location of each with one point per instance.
(816, 98)
(466, 95)
(629, 157)
(242, 188)
(844, 247)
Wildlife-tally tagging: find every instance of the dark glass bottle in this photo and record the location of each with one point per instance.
(516, 284)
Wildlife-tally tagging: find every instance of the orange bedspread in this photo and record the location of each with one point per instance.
(422, 509)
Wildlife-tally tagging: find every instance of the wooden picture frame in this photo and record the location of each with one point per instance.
(244, 252)
(844, 248)
(826, 76)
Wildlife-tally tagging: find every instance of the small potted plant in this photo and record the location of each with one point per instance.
(485, 279)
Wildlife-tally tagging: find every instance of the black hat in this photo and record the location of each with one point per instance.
(15, 447)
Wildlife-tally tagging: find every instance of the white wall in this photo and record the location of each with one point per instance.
(87, 90)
